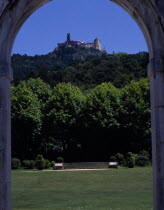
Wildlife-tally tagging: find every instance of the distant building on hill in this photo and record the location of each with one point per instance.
(79, 44)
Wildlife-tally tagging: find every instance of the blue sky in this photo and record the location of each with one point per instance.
(85, 20)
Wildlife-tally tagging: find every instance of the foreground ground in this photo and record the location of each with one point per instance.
(122, 189)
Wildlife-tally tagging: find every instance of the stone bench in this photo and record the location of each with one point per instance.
(58, 166)
(113, 165)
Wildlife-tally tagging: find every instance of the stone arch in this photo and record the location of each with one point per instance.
(149, 14)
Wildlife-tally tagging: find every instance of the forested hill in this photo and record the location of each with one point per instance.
(27, 66)
(85, 68)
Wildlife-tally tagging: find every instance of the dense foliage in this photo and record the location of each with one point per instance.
(79, 126)
(40, 163)
(83, 105)
(28, 164)
(15, 163)
(25, 66)
(26, 120)
(84, 68)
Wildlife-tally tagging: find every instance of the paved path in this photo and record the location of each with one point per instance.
(100, 169)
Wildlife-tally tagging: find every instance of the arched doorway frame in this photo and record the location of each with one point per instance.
(149, 15)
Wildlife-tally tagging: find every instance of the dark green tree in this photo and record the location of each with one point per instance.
(26, 121)
(63, 113)
(135, 116)
(101, 119)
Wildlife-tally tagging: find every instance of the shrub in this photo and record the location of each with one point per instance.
(40, 164)
(112, 159)
(144, 153)
(130, 162)
(52, 163)
(47, 163)
(15, 163)
(34, 163)
(28, 164)
(142, 161)
(120, 159)
(60, 160)
(130, 154)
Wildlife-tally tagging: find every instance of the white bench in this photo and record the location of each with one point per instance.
(113, 165)
(58, 166)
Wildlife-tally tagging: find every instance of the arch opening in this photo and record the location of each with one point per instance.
(102, 81)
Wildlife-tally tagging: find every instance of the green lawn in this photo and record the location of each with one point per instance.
(122, 189)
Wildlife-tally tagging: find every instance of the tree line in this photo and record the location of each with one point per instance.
(83, 68)
(79, 125)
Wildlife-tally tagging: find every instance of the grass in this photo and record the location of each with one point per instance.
(122, 189)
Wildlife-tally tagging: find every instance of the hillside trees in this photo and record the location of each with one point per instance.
(26, 67)
(84, 68)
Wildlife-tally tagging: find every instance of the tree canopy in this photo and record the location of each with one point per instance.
(80, 125)
(84, 68)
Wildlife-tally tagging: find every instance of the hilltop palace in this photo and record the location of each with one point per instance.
(79, 44)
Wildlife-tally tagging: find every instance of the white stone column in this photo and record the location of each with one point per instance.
(5, 143)
(156, 74)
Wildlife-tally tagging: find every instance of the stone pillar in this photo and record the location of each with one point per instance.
(156, 74)
(5, 143)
